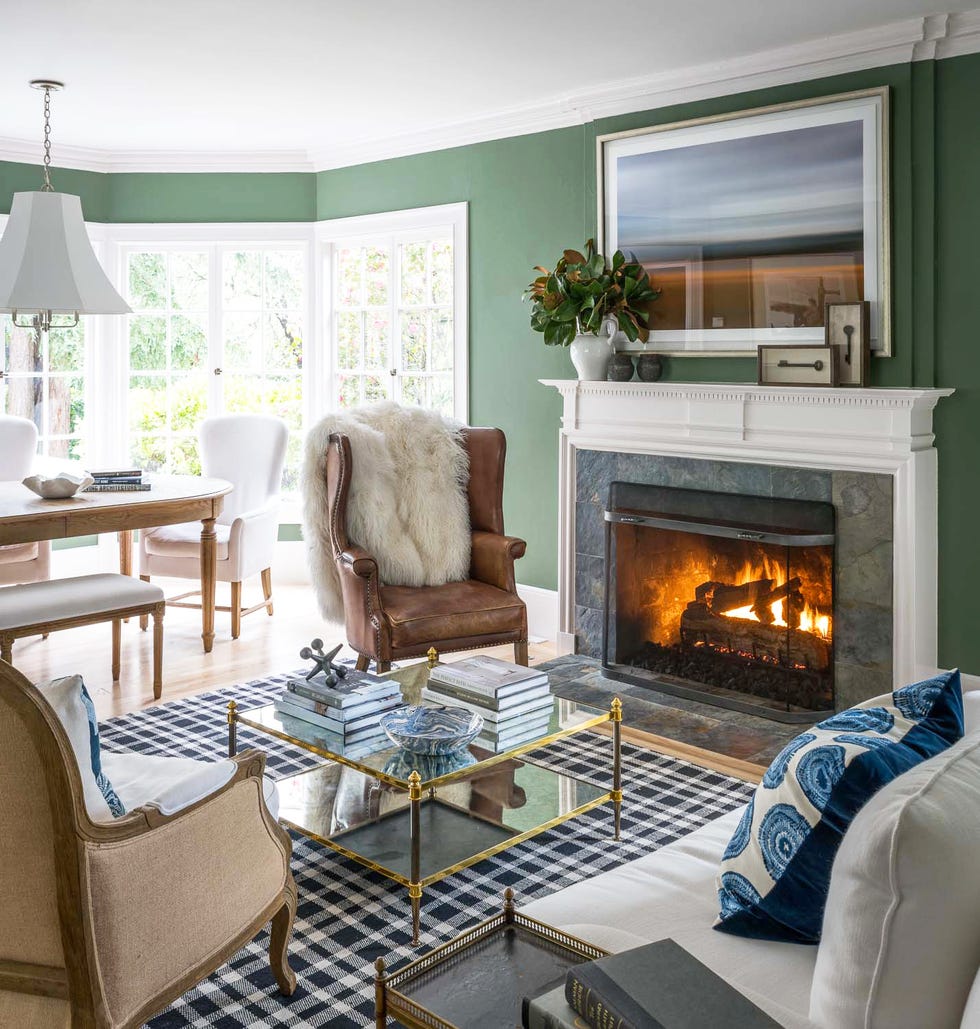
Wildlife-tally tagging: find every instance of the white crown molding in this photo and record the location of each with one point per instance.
(108, 161)
(914, 39)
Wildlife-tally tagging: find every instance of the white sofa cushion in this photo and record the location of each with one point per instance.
(671, 894)
(901, 936)
(173, 783)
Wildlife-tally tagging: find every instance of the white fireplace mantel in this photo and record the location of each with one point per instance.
(885, 431)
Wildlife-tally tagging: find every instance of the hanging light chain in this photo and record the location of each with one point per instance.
(47, 187)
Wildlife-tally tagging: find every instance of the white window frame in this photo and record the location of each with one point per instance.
(412, 222)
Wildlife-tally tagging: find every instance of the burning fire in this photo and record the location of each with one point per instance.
(809, 620)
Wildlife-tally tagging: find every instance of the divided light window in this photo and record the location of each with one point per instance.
(395, 320)
(215, 329)
(46, 383)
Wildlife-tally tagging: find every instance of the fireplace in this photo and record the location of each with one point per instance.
(722, 597)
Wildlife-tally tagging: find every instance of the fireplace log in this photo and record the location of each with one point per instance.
(788, 591)
(702, 627)
(723, 597)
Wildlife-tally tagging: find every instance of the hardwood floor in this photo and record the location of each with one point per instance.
(265, 645)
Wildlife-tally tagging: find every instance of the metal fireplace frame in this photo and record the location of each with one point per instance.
(759, 523)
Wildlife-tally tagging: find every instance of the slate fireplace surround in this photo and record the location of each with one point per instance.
(862, 576)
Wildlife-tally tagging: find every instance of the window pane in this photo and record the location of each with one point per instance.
(413, 391)
(147, 403)
(189, 281)
(375, 388)
(376, 349)
(413, 285)
(188, 402)
(184, 458)
(282, 396)
(376, 268)
(442, 272)
(243, 341)
(66, 350)
(242, 272)
(188, 342)
(284, 342)
(147, 281)
(284, 274)
(348, 339)
(66, 406)
(147, 342)
(441, 341)
(349, 277)
(148, 452)
(414, 341)
(441, 396)
(349, 390)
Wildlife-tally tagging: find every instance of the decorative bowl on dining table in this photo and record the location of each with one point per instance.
(431, 730)
(57, 487)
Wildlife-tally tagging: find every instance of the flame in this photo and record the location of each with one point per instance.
(810, 620)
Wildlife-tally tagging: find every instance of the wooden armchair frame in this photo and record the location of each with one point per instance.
(86, 977)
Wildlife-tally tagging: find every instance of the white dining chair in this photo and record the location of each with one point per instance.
(20, 562)
(248, 451)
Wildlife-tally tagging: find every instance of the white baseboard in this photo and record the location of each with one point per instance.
(542, 611)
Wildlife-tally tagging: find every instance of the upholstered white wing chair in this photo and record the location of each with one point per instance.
(20, 562)
(249, 451)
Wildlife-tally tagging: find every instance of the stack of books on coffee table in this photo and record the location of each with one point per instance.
(515, 702)
(348, 712)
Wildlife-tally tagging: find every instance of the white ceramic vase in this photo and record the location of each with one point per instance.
(591, 354)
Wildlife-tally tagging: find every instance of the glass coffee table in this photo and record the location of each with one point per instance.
(417, 821)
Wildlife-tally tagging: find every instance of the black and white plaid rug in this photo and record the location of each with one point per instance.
(349, 916)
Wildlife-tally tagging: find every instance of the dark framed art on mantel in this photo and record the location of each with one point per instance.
(752, 223)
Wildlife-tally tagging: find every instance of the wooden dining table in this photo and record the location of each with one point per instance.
(171, 499)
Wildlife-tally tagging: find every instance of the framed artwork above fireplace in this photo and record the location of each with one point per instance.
(750, 223)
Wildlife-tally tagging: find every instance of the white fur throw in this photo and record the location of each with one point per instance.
(407, 506)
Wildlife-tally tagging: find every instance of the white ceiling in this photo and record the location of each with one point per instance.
(313, 77)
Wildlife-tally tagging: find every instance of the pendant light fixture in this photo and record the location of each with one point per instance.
(49, 274)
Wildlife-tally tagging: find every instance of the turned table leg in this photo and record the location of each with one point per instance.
(209, 557)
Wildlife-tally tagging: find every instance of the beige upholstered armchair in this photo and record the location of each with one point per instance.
(103, 923)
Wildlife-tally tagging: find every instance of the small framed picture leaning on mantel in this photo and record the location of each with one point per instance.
(848, 328)
(799, 365)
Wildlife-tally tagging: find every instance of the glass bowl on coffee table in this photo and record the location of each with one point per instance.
(417, 819)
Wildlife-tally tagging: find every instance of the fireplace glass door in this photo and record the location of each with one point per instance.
(721, 597)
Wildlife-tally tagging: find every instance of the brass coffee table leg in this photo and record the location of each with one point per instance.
(232, 729)
(616, 715)
(415, 887)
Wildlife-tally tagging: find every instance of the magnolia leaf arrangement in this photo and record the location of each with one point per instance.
(584, 290)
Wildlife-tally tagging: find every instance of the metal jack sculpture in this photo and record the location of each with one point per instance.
(323, 662)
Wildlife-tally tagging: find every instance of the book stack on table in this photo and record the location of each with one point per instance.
(515, 702)
(120, 481)
(348, 712)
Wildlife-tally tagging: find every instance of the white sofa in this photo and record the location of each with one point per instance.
(671, 893)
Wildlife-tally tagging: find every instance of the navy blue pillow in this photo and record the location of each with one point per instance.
(775, 873)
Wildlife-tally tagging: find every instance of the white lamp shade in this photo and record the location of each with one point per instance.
(47, 262)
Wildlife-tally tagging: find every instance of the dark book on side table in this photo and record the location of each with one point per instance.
(658, 986)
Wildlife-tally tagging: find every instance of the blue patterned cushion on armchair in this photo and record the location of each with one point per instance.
(775, 873)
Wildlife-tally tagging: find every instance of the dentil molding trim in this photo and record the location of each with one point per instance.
(914, 39)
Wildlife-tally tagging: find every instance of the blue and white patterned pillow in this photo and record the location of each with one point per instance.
(775, 873)
(106, 788)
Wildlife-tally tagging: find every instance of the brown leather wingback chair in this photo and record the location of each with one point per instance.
(385, 623)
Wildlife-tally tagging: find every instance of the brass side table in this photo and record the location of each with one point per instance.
(464, 983)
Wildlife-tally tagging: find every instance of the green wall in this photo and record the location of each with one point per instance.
(531, 196)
